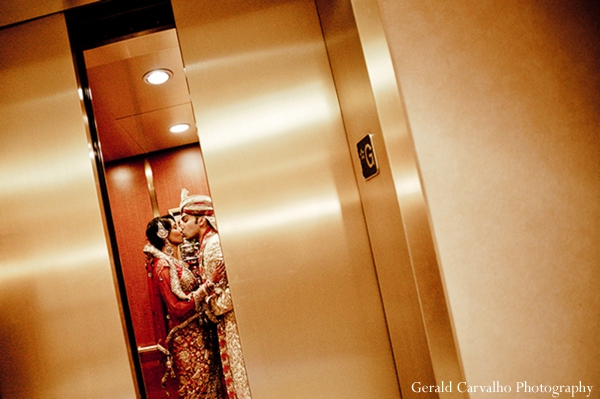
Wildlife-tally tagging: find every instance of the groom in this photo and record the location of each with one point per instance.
(198, 223)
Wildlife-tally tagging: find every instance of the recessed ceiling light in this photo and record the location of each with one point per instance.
(157, 76)
(182, 127)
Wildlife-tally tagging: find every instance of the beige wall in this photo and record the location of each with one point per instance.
(502, 98)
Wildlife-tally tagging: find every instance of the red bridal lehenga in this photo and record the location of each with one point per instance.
(191, 345)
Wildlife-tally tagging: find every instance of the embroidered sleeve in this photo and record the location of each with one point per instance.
(175, 306)
(220, 301)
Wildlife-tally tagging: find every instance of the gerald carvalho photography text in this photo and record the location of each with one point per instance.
(524, 387)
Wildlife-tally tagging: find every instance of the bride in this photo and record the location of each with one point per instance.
(191, 344)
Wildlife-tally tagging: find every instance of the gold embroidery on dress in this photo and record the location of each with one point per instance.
(187, 278)
(220, 307)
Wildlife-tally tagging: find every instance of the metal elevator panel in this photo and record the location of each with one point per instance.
(286, 199)
(61, 330)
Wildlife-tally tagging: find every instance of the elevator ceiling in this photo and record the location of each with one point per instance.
(132, 116)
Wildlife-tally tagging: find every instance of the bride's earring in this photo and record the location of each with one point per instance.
(169, 248)
(162, 232)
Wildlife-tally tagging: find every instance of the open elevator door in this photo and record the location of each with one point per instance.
(142, 167)
(280, 173)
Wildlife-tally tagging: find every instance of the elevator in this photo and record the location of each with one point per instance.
(278, 95)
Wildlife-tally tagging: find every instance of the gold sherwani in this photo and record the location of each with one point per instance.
(219, 308)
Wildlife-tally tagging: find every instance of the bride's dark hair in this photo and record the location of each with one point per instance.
(153, 227)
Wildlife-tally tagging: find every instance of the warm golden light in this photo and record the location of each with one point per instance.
(179, 128)
(305, 210)
(157, 76)
(264, 117)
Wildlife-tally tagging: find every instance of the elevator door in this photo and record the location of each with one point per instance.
(61, 334)
(288, 209)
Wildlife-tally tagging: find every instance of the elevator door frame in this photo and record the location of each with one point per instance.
(398, 221)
